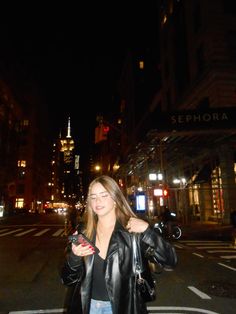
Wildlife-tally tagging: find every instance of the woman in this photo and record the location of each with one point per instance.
(105, 279)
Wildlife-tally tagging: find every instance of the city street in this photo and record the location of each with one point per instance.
(32, 250)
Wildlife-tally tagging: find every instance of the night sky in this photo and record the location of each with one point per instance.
(74, 54)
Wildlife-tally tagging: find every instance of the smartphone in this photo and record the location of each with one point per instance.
(82, 239)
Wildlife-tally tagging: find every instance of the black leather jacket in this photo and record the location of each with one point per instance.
(77, 271)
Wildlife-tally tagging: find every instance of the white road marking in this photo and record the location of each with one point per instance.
(41, 232)
(25, 232)
(39, 311)
(199, 255)
(201, 294)
(10, 232)
(181, 308)
(178, 246)
(221, 246)
(193, 242)
(227, 266)
(58, 232)
(228, 256)
(3, 230)
(223, 251)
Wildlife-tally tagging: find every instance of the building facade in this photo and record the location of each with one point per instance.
(23, 152)
(187, 131)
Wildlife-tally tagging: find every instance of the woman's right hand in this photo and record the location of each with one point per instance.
(82, 250)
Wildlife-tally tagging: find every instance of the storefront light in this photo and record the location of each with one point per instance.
(181, 181)
(158, 192)
(152, 176)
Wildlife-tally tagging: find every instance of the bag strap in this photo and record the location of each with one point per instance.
(137, 258)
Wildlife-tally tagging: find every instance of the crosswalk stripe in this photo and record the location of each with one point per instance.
(228, 256)
(10, 232)
(24, 232)
(58, 232)
(225, 251)
(213, 247)
(39, 311)
(38, 234)
(3, 230)
(17, 233)
(227, 266)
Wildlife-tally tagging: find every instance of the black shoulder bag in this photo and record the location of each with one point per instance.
(144, 281)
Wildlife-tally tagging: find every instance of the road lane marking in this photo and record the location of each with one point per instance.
(58, 232)
(227, 266)
(181, 308)
(24, 232)
(201, 294)
(223, 251)
(228, 256)
(39, 311)
(178, 246)
(222, 246)
(199, 255)
(10, 232)
(194, 242)
(3, 230)
(38, 234)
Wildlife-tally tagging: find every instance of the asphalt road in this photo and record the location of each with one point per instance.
(32, 250)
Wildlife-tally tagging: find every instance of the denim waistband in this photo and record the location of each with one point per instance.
(100, 307)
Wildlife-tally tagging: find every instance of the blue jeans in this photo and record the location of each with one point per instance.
(100, 307)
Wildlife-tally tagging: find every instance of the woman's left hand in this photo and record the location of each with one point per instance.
(137, 225)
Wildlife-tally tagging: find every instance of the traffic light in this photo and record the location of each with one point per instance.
(165, 192)
(105, 130)
(101, 133)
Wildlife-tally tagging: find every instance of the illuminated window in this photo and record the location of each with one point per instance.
(141, 65)
(19, 203)
(25, 122)
(21, 163)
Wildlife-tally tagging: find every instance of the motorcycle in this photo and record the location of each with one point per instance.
(171, 231)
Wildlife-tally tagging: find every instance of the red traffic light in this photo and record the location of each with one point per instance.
(106, 128)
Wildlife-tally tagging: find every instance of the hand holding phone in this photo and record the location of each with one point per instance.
(82, 239)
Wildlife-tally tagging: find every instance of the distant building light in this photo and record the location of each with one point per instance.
(176, 181)
(158, 192)
(141, 65)
(152, 176)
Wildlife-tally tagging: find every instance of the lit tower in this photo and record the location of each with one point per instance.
(67, 146)
(69, 185)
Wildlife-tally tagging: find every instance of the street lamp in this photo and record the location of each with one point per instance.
(97, 168)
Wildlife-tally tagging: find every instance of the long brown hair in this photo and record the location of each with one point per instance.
(123, 209)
